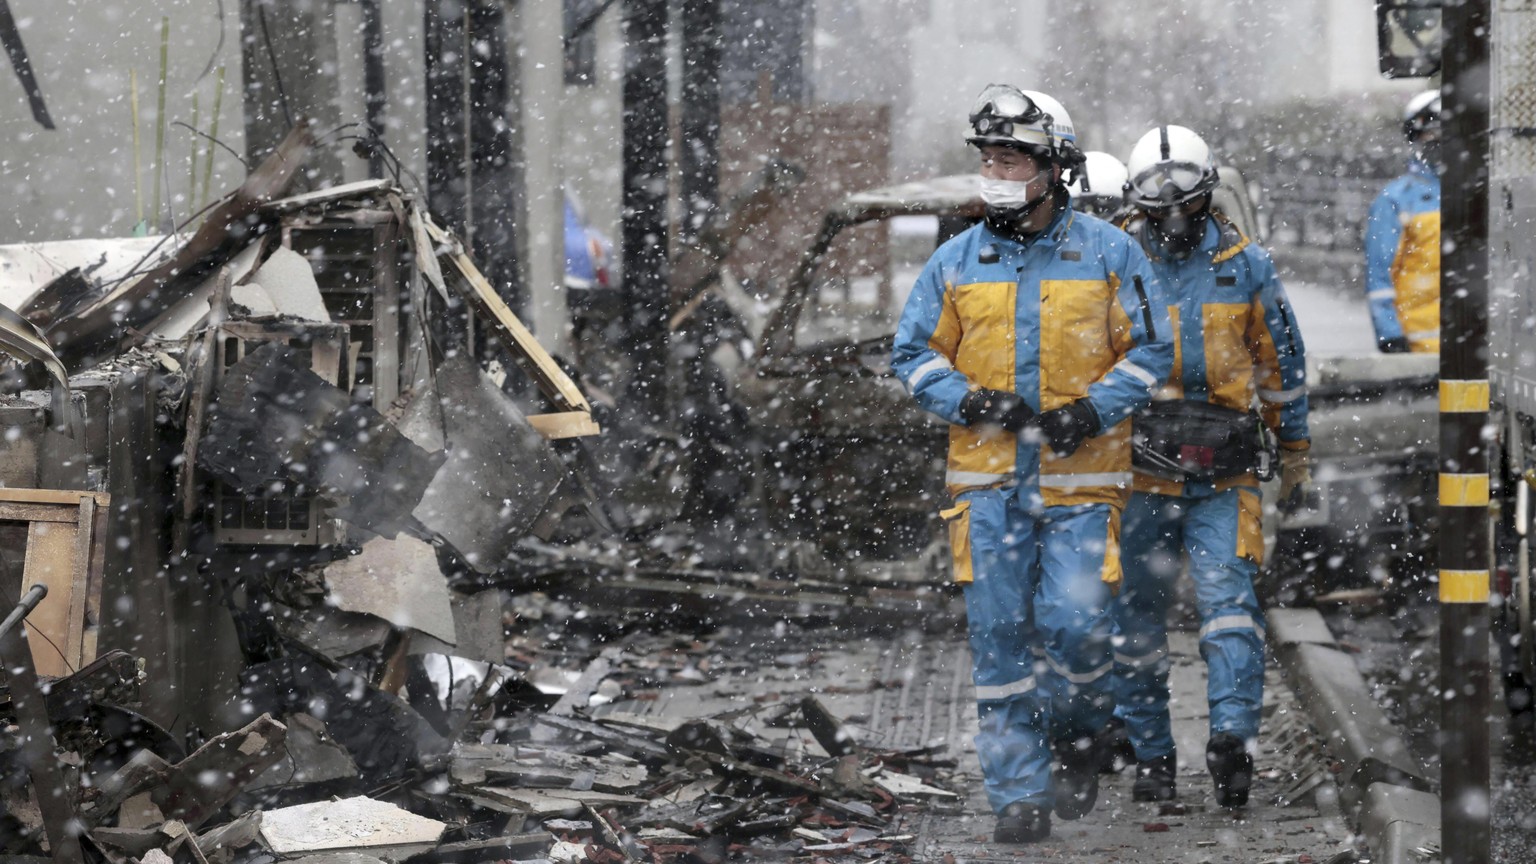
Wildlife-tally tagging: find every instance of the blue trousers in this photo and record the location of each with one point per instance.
(1221, 535)
(1040, 631)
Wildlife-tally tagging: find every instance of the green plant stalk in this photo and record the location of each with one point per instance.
(138, 179)
(192, 170)
(165, 56)
(213, 134)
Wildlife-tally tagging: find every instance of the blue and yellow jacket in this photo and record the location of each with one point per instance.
(1402, 259)
(1235, 336)
(1076, 312)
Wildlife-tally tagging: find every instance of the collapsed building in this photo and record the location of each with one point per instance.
(260, 490)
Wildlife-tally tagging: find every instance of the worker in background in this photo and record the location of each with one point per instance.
(1035, 334)
(1200, 454)
(1099, 188)
(1402, 241)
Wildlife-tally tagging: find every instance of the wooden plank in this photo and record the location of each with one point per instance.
(552, 380)
(37, 513)
(50, 561)
(80, 586)
(68, 497)
(566, 424)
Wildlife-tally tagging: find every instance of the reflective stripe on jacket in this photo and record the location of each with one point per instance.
(1402, 259)
(1076, 312)
(1235, 337)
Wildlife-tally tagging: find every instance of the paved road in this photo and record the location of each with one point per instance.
(914, 690)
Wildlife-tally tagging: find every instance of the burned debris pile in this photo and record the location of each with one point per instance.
(274, 499)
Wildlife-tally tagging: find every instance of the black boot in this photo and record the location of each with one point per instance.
(1022, 823)
(1075, 780)
(1231, 768)
(1155, 779)
(1115, 747)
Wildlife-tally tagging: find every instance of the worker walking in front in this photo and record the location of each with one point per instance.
(1201, 451)
(1035, 334)
(1402, 241)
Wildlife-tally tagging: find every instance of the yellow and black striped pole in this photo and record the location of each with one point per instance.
(1464, 548)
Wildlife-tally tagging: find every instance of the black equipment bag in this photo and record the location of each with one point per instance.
(1181, 439)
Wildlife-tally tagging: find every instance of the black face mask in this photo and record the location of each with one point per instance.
(1178, 233)
(1429, 153)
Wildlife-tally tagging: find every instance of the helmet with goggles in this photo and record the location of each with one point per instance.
(1422, 114)
(1170, 165)
(1006, 116)
(1101, 182)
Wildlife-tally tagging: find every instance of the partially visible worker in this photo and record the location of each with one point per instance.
(1402, 241)
(1099, 187)
(1201, 450)
(1035, 334)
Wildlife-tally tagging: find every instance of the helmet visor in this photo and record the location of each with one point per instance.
(1168, 181)
(1000, 107)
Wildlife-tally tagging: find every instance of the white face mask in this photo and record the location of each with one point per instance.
(1005, 194)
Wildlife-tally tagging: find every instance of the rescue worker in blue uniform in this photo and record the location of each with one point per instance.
(1035, 334)
(1099, 188)
(1200, 453)
(1402, 241)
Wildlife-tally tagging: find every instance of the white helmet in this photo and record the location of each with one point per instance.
(1170, 165)
(1027, 119)
(1103, 177)
(1422, 114)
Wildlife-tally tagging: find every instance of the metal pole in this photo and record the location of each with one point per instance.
(1464, 563)
(645, 233)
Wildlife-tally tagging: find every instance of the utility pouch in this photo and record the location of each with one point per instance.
(1184, 440)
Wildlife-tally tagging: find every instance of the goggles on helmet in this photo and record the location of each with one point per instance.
(1171, 182)
(1000, 107)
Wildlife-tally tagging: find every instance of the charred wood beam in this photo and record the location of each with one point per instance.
(10, 36)
(699, 155)
(288, 70)
(473, 180)
(645, 230)
(375, 91)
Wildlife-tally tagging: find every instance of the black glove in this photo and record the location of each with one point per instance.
(998, 407)
(1065, 428)
(1395, 345)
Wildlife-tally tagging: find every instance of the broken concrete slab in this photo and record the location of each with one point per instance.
(397, 580)
(477, 624)
(287, 281)
(351, 824)
(477, 764)
(313, 757)
(386, 737)
(542, 802)
(201, 784)
(499, 472)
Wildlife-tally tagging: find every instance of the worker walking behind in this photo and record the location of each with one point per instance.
(1402, 241)
(1035, 334)
(1200, 452)
(1099, 188)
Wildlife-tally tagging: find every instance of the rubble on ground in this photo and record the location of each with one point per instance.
(288, 482)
